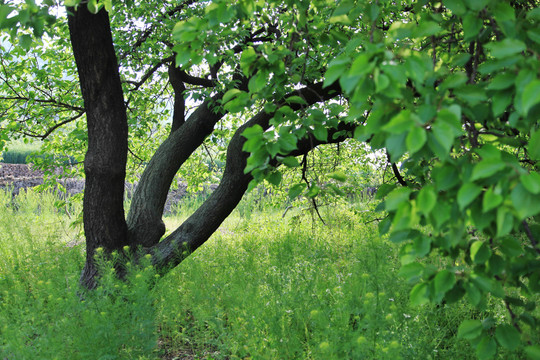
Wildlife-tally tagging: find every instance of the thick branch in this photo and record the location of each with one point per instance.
(207, 218)
(179, 109)
(193, 80)
(144, 218)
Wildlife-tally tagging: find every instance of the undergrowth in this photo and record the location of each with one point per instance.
(266, 286)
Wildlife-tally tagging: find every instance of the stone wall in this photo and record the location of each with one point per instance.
(21, 176)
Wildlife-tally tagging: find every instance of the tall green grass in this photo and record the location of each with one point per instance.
(292, 289)
(264, 287)
(43, 312)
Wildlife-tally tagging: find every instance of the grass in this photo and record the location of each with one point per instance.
(264, 287)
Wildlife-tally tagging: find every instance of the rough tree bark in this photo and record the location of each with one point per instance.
(105, 160)
(104, 221)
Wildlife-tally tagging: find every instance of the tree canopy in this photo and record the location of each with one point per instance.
(449, 90)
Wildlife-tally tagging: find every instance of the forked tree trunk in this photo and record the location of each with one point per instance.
(105, 162)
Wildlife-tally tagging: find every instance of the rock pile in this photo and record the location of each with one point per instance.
(21, 176)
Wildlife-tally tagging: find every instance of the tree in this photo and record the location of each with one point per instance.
(448, 89)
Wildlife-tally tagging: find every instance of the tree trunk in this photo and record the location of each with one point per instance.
(105, 160)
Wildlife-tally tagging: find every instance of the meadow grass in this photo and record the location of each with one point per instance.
(264, 287)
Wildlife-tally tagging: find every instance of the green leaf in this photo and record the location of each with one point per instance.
(504, 12)
(411, 272)
(506, 47)
(455, 80)
(427, 198)
(487, 168)
(400, 123)
(443, 282)
(491, 200)
(467, 194)
(469, 329)
(395, 144)
(472, 24)
(524, 202)
(396, 198)
(508, 337)
(360, 65)
(419, 294)
(247, 60)
(505, 221)
(426, 28)
(296, 190)
(416, 138)
(444, 135)
(25, 41)
(313, 191)
(534, 145)
(289, 161)
(274, 178)
(258, 82)
(252, 131)
(320, 132)
(287, 142)
(534, 35)
(230, 94)
(108, 5)
(486, 348)
(296, 100)
(471, 94)
(511, 247)
(474, 295)
(534, 14)
(531, 182)
(381, 82)
(422, 245)
(500, 101)
(480, 252)
(93, 6)
(336, 68)
(384, 190)
(483, 282)
(530, 96)
(502, 81)
(477, 5)
(338, 175)
(533, 352)
(456, 6)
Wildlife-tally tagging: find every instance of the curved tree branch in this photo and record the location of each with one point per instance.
(54, 127)
(149, 73)
(209, 216)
